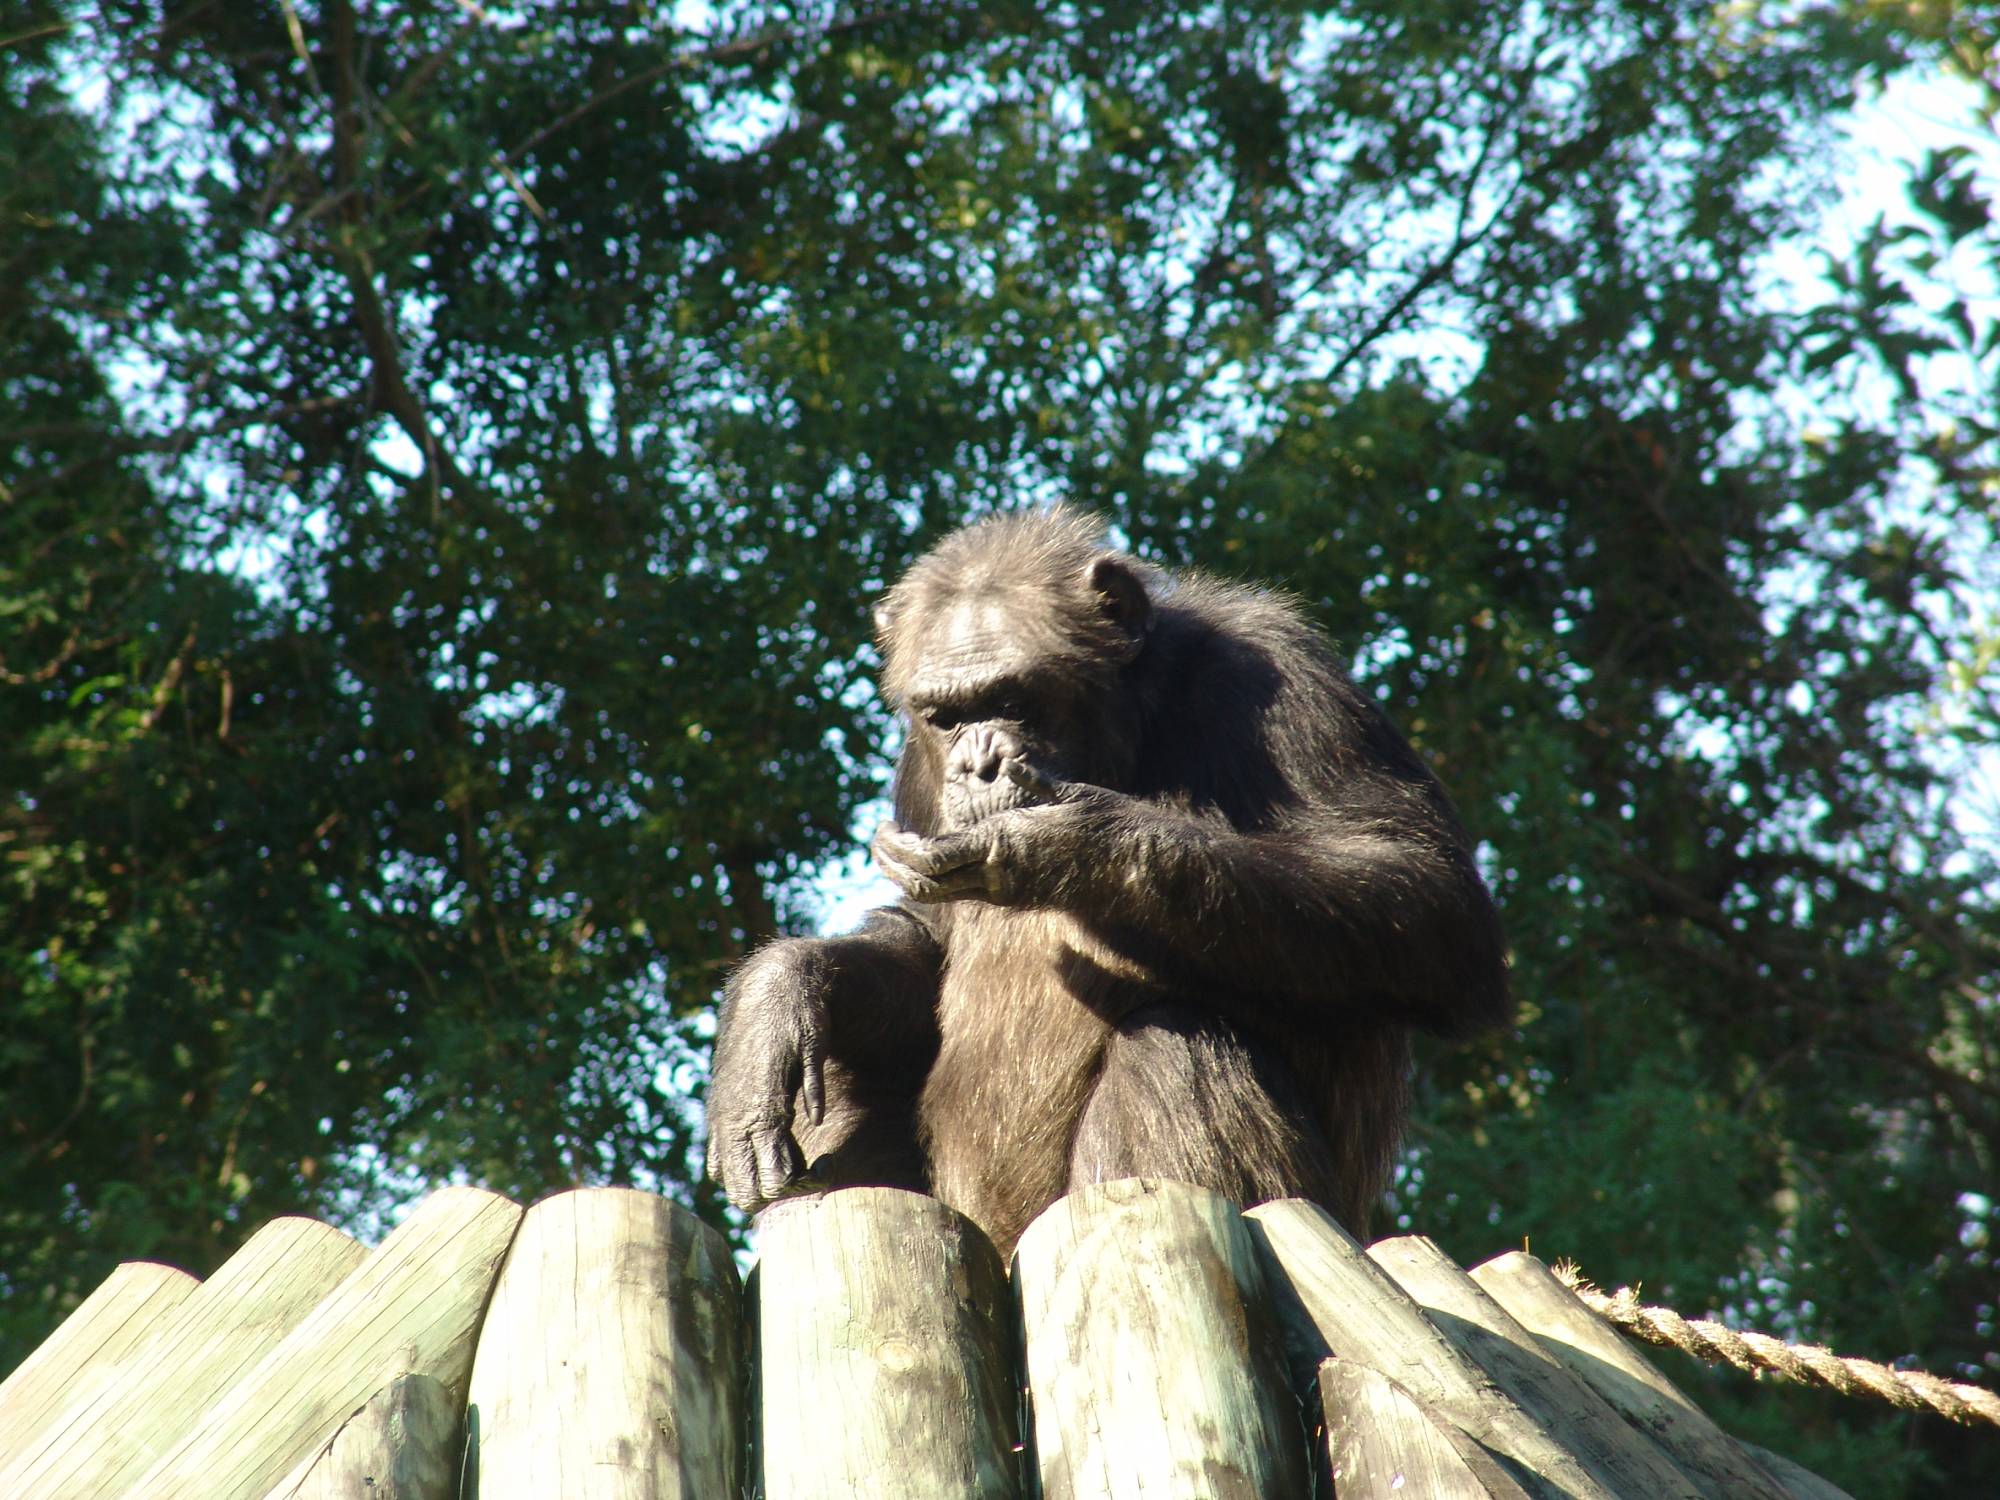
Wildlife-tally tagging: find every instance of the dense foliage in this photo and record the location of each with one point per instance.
(446, 455)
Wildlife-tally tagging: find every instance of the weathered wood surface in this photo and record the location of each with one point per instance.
(90, 1348)
(885, 1351)
(104, 1439)
(1611, 1366)
(1155, 1367)
(1624, 1460)
(403, 1444)
(614, 1356)
(610, 1363)
(1337, 1301)
(411, 1308)
(1384, 1444)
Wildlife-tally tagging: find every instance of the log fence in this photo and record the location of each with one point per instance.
(1151, 1341)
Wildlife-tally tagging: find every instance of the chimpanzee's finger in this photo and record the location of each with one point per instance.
(1050, 790)
(812, 1079)
(917, 887)
(912, 851)
(921, 857)
(733, 1163)
(891, 847)
(776, 1162)
(1033, 780)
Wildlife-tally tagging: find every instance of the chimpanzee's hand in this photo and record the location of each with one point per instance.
(1037, 855)
(770, 1048)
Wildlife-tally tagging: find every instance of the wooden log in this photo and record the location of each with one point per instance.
(107, 1437)
(884, 1351)
(1155, 1366)
(1623, 1458)
(1611, 1366)
(1335, 1300)
(90, 1347)
(412, 1308)
(611, 1360)
(1384, 1444)
(403, 1444)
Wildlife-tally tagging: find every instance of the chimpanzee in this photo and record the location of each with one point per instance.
(1174, 894)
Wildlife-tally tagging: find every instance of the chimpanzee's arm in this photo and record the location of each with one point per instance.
(1376, 901)
(815, 1036)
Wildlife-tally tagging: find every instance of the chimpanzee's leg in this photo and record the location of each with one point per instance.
(1182, 1096)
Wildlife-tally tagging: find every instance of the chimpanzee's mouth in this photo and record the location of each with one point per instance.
(971, 801)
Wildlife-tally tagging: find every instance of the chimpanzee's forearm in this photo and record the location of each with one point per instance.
(880, 986)
(1394, 916)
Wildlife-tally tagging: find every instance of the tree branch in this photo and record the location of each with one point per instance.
(391, 392)
(721, 51)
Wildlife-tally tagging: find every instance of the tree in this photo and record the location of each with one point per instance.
(449, 454)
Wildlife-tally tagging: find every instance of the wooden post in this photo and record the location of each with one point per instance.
(1338, 1301)
(1154, 1363)
(1609, 1365)
(107, 1435)
(610, 1364)
(1622, 1457)
(109, 1328)
(402, 1445)
(884, 1351)
(412, 1308)
(1386, 1445)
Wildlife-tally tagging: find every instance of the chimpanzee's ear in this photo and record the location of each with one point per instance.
(885, 616)
(1121, 594)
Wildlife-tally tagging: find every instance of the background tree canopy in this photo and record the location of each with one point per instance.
(447, 454)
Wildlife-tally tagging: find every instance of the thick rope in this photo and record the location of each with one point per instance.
(1809, 1364)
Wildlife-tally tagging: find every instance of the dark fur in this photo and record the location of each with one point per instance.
(1176, 893)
